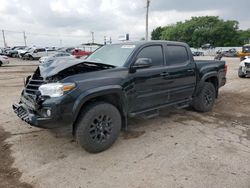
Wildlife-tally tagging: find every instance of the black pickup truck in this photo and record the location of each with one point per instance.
(95, 96)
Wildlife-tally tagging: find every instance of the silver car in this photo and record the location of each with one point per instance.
(4, 60)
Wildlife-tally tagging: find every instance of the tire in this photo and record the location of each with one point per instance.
(240, 73)
(1, 63)
(98, 127)
(204, 101)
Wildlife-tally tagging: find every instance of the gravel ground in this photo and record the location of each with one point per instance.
(180, 148)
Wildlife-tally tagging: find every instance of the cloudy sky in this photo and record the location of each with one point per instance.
(70, 22)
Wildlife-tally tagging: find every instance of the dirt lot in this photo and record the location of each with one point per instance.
(180, 148)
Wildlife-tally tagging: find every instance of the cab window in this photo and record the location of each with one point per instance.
(154, 53)
(177, 55)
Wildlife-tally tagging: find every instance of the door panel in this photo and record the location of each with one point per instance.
(150, 89)
(181, 73)
(181, 82)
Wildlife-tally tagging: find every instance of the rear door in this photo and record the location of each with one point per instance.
(149, 85)
(181, 72)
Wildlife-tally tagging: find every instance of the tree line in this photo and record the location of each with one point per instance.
(202, 30)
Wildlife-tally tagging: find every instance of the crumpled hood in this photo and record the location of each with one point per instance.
(48, 69)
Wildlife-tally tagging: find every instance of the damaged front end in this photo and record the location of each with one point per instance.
(30, 107)
(46, 100)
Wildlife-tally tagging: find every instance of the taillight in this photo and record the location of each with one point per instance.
(225, 68)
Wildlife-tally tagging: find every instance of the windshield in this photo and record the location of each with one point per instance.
(115, 54)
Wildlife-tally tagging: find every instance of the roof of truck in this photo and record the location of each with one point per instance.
(153, 41)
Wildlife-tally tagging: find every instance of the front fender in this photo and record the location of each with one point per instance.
(97, 92)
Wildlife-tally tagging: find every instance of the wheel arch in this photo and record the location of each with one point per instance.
(211, 77)
(112, 94)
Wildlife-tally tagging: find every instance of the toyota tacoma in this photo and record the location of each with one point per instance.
(97, 95)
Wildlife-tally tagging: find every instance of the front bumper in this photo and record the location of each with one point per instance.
(39, 118)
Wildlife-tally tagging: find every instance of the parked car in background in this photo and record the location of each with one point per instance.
(229, 53)
(244, 69)
(36, 53)
(13, 52)
(4, 60)
(57, 55)
(66, 49)
(80, 53)
(23, 51)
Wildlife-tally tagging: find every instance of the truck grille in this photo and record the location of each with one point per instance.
(32, 86)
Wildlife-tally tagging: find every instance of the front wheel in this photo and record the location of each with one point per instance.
(241, 73)
(204, 101)
(98, 127)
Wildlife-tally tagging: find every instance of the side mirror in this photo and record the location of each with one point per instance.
(141, 63)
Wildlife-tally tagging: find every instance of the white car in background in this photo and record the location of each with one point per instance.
(57, 55)
(4, 60)
(36, 53)
(244, 69)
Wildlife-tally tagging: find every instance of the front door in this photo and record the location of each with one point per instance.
(149, 85)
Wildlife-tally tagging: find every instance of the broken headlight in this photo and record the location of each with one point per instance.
(55, 89)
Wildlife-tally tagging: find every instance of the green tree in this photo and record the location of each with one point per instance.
(244, 36)
(156, 33)
(201, 30)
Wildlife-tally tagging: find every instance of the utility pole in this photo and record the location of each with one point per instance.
(4, 41)
(147, 7)
(93, 38)
(24, 37)
(105, 40)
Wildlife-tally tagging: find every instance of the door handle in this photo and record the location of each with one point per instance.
(164, 74)
(190, 70)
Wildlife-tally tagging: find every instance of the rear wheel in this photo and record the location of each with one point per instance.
(204, 101)
(1, 63)
(98, 127)
(241, 73)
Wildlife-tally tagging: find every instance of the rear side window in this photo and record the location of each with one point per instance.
(154, 53)
(177, 55)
